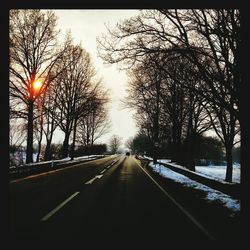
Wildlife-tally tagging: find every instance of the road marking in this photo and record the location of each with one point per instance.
(179, 206)
(47, 216)
(93, 179)
(111, 164)
(104, 170)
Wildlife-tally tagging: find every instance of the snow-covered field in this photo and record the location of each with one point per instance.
(216, 172)
(219, 172)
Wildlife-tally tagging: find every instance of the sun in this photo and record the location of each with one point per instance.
(37, 85)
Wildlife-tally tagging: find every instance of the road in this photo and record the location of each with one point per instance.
(105, 199)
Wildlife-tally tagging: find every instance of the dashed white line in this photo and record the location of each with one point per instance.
(104, 170)
(47, 216)
(93, 179)
(109, 166)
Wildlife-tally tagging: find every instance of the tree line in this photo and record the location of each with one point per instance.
(185, 76)
(70, 96)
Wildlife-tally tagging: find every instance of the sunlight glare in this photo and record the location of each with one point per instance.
(37, 85)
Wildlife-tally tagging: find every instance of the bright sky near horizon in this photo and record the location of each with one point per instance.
(85, 25)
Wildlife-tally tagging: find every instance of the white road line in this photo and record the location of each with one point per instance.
(93, 179)
(110, 165)
(179, 206)
(104, 170)
(47, 216)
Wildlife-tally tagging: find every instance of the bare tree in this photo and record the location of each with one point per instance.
(16, 140)
(226, 127)
(96, 123)
(38, 125)
(130, 144)
(68, 93)
(114, 143)
(49, 115)
(146, 81)
(17, 137)
(33, 52)
(208, 39)
(214, 34)
(77, 94)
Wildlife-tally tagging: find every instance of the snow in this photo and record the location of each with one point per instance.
(219, 172)
(76, 159)
(211, 194)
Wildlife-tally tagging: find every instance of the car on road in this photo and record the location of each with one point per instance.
(127, 153)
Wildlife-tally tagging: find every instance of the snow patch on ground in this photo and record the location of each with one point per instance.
(211, 194)
(219, 172)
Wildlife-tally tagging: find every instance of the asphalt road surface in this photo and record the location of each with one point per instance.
(113, 198)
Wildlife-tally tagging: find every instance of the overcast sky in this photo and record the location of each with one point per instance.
(85, 26)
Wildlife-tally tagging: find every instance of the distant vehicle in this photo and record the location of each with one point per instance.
(127, 153)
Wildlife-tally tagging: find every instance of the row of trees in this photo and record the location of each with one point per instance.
(209, 149)
(53, 86)
(185, 76)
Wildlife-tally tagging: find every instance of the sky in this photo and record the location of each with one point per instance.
(85, 26)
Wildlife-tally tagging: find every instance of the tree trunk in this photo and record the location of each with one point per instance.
(47, 155)
(156, 143)
(229, 171)
(66, 145)
(156, 124)
(39, 144)
(29, 151)
(173, 145)
(190, 142)
(74, 139)
(154, 154)
(190, 163)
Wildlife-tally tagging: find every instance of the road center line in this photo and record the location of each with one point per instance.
(104, 170)
(111, 164)
(93, 179)
(179, 206)
(47, 216)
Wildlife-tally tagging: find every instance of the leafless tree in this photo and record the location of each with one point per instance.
(17, 135)
(96, 123)
(70, 88)
(16, 139)
(145, 84)
(49, 116)
(38, 123)
(208, 39)
(33, 52)
(227, 128)
(130, 144)
(114, 143)
(214, 34)
(77, 95)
